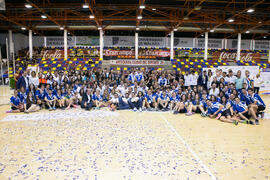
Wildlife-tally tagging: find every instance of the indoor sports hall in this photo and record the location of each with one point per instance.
(136, 90)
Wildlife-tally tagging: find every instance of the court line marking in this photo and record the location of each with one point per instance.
(189, 148)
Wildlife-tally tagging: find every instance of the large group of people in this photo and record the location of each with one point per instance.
(226, 96)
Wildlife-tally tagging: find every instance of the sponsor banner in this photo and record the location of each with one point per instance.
(262, 45)
(182, 42)
(59, 53)
(87, 40)
(152, 41)
(232, 44)
(58, 41)
(212, 43)
(137, 62)
(120, 41)
(231, 56)
(142, 52)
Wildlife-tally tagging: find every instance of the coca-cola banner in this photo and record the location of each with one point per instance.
(231, 56)
(58, 41)
(212, 43)
(142, 52)
(262, 45)
(232, 44)
(137, 62)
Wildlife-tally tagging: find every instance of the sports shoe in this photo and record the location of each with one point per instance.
(135, 109)
(203, 114)
(54, 108)
(251, 122)
(235, 122)
(140, 109)
(189, 114)
(262, 115)
(257, 122)
(50, 109)
(9, 111)
(245, 122)
(175, 112)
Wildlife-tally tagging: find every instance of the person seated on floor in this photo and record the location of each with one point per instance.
(87, 101)
(256, 106)
(50, 100)
(123, 102)
(240, 109)
(16, 104)
(163, 101)
(215, 109)
(31, 104)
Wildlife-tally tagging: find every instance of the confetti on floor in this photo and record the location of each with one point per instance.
(101, 144)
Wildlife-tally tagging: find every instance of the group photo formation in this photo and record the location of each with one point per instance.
(134, 90)
(227, 96)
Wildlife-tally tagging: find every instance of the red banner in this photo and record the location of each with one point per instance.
(142, 52)
(231, 56)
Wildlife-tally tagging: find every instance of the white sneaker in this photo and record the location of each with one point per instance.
(140, 109)
(135, 109)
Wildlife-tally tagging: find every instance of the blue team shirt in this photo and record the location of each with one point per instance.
(241, 107)
(256, 97)
(15, 100)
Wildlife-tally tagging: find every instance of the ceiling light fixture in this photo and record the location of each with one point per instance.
(43, 16)
(23, 28)
(154, 9)
(247, 32)
(250, 10)
(139, 17)
(137, 28)
(142, 6)
(61, 28)
(28, 6)
(231, 20)
(99, 28)
(91, 16)
(85, 6)
(175, 29)
(212, 30)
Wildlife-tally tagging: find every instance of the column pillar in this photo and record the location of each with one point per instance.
(172, 43)
(136, 45)
(65, 44)
(30, 44)
(238, 47)
(101, 43)
(205, 45)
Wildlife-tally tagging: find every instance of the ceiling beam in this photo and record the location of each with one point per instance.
(237, 14)
(19, 24)
(99, 24)
(139, 12)
(46, 14)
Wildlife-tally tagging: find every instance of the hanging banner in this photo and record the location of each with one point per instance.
(137, 62)
(58, 41)
(230, 56)
(182, 42)
(262, 45)
(212, 43)
(87, 40)
(152, 41)
(142, 52)
(120, 41)
(232, 44)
